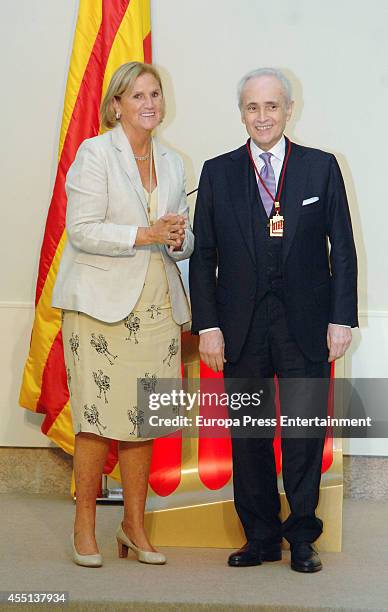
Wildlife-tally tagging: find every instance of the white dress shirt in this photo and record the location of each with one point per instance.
(278, 152)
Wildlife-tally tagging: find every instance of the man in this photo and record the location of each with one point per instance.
(273, 283)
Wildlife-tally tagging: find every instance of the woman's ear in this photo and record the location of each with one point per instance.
(115, 104)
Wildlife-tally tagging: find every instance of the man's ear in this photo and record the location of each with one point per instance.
(290, 108)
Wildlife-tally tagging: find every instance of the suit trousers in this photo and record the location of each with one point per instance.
(303, 386)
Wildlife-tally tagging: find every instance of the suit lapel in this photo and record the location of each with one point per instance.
(162, 175)
(239, 177)
(292, 197)
(127, 162)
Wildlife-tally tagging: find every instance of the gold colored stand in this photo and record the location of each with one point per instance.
(194, 516)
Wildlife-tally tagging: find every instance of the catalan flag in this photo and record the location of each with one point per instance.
(108, 33)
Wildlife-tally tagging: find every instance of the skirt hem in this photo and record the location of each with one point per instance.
(111, 437)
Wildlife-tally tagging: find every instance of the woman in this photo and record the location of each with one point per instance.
(122, 297)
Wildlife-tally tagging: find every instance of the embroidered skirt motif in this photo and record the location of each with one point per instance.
(104, 360)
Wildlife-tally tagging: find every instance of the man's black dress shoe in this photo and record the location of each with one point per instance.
(254, 553)
(304, 558)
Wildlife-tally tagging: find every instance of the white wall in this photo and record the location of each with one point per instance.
(335, 54)
(35, 44)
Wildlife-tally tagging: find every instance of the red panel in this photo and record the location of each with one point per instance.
(112, 457)
(277, 441)
(327, 459)
(214, 453)
(165, 473)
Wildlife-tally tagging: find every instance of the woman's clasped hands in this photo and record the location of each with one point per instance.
(168, 229)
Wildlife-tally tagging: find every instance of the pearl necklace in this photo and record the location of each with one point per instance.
(142, 157)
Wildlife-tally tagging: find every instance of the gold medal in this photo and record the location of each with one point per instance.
(276, 224)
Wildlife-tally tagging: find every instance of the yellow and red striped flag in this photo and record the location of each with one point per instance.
(108, 33)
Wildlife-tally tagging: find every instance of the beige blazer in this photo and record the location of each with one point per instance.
(101, 272)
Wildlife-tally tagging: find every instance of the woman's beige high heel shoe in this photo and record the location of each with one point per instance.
(85, 560)
(144, 556)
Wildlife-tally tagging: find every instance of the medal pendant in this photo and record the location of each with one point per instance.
(276, 225)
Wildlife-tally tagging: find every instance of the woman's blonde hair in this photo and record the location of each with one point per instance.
(124, 78)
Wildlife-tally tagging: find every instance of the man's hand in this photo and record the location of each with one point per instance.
(338, 340)
(211, 349)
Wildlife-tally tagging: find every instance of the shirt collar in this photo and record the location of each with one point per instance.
(278, 150)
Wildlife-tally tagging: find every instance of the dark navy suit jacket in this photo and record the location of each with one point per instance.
(319, 264)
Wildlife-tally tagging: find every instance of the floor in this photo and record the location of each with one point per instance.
(35, 556)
